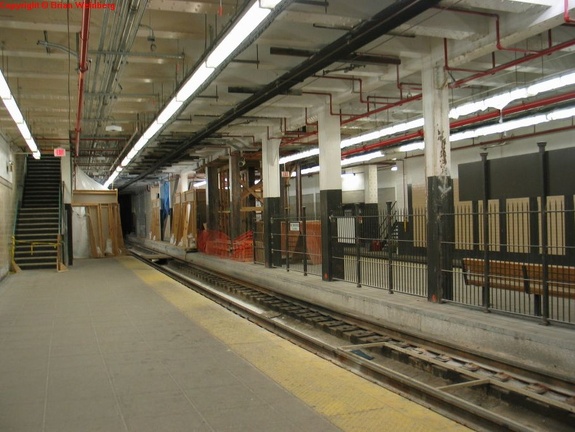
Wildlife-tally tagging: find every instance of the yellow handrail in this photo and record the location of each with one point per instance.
(32, 244)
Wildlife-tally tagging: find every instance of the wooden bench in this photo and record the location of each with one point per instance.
(521, 277)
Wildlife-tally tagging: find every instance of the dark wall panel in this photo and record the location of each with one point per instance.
(519, 176)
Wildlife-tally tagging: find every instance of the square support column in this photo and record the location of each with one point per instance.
(440, 225)
(272, 201)
(235, 195)
(329, 136)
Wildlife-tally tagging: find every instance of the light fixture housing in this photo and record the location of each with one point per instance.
(16, 114)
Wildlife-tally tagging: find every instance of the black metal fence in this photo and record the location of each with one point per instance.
(500, 258)
(298, 244)
(504, 260)
(384, 250)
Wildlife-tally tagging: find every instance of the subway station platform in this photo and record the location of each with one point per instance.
(113, 345)
(516, 341)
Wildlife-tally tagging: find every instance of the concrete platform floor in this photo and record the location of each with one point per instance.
(112, 345)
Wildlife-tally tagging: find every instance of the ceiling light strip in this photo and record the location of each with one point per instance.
(245, 26)
(497, 128)
(498, 102)
(17, 116)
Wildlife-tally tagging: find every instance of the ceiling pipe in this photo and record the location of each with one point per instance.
(82, 69)
(466, 122)
(513, 63)
(498, 42)
(566, 17)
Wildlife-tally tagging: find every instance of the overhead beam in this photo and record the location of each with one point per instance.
(354, 57)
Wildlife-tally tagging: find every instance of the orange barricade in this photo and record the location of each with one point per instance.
(243, 247)
(217, 243)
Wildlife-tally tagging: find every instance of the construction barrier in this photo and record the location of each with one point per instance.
(217, 243)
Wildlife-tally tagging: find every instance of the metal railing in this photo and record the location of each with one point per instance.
(299, 241)
(389, 258)
(504, 261)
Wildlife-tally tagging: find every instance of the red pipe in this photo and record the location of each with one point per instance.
(82, 69)
(566, 16)
(498, 43)
(383, 108)
(462, 81)
(513, 63)
(466, 122)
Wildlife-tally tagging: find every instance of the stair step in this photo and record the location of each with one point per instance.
(37, 266)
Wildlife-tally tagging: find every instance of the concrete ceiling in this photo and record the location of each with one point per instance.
(140, 52)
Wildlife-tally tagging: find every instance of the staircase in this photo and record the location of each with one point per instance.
(37, 226)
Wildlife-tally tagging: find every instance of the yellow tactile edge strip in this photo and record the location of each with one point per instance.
(350, 402)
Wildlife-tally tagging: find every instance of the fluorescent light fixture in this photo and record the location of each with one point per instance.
(17, 116)
(238, 34)
(298, 156)
(420, 145)
(152, 130)
(241, 30)
(391, 130)
(497, 101)
(362, 158)
(111, 179)
(394, 168)
(140, 144)
(13, 109)
(5, 92)
(200, 184)
(32, 145)
(311, 170)
(194, 82)
(497, 128)
(502, 100)
(561, 114)
(169, 111)
(126, 161)
(269, 4)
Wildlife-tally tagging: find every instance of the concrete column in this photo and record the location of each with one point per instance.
(235, 194)
(440, 229)
(272, 202)
(329, 136)
(184, 180)
(370, 177)
(212, 198)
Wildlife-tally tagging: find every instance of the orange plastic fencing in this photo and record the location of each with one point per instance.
(217, 243)
(243, 247)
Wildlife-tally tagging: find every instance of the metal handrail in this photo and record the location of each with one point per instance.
(32, 244)
(20, 183)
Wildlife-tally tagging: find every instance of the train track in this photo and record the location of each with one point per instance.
(483, 396)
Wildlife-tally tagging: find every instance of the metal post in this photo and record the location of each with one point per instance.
(544, 234)
(287, 225)
(389, 251)
(486, 294)
(304, 233)
(358, 222)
